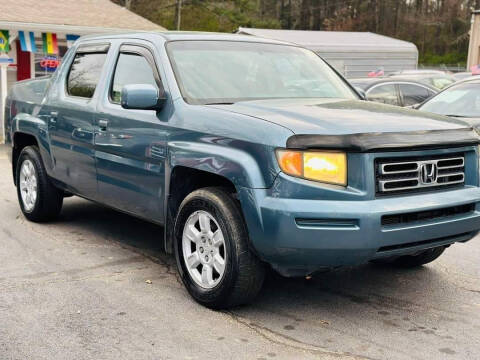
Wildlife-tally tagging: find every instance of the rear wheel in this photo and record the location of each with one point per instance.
(411, 261)
(39, 199)
(211, 249)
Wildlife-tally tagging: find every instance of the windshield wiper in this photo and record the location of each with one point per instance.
(459, 116)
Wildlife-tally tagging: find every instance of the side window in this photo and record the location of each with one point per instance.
(386, 94)
(131, 69)
(84, 74)
(413, 94)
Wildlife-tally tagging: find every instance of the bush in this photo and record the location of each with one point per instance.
(448, 58)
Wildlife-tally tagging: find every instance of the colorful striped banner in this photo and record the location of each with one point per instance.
(27, 41)
(50, 45)
(4, 41)
(71, 39)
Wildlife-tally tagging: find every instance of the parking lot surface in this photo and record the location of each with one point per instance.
(96, 285)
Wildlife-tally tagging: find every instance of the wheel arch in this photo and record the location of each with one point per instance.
(29, 130)
(193, 165)
(184, 180)
(20, 140)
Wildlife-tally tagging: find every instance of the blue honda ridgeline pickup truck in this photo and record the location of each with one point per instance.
(248, 152)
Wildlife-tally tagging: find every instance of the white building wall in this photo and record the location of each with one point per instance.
(11, 79)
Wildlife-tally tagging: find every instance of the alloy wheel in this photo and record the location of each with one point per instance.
(204, 252)
(28, 185)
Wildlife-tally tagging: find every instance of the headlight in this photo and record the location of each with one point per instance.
(323, 166)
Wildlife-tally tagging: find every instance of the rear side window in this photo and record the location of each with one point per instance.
(413, 94)
(85, 73)
(386, 94)
(131, 69)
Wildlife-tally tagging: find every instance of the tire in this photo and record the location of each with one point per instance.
(47, 203)
(243, 273)
(412, 261)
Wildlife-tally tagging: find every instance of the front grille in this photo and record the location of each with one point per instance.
(394, 175)
(406, 218)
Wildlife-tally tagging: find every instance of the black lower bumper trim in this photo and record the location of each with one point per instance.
(454, 238)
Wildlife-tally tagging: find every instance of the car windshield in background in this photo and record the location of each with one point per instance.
(461, 100)
(212, 72)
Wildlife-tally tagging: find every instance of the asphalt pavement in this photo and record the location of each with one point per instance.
(95, 284)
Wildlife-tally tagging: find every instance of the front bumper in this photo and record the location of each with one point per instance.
(301, 236)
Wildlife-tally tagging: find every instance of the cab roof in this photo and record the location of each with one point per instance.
(184, 35)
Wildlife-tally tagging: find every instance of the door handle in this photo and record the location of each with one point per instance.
(103, 124)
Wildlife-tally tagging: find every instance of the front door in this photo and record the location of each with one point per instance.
(130, 144)
(413, 94)
(71, 115)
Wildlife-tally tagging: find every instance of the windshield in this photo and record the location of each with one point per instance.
(462, 100)
(210, 72)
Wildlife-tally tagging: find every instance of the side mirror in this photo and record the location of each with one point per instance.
(361, 93)
(142, 97)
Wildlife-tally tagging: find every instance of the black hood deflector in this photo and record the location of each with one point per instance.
(386, 141)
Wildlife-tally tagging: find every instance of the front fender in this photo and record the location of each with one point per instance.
(238, 165)
(247, 166)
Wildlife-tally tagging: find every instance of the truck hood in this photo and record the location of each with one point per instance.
(354, 124)
(339, 117)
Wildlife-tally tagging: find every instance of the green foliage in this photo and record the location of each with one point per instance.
(448, 58)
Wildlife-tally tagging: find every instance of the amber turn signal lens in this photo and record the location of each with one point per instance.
(291, 162)
(327, 167)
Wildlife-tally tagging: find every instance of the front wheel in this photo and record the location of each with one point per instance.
(39, 199)
(211, 249)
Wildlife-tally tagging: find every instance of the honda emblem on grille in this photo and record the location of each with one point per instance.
(428, 173)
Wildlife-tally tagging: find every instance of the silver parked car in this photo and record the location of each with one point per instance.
(460, 100)
(438, 79)
(398, 92)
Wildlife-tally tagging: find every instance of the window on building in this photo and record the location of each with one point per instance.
(84, 74)
(124, 75)
(42, 64)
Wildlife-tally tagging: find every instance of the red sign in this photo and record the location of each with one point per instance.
(49, 63)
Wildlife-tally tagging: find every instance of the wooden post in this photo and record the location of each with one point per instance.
(474, 44)
(178, 14)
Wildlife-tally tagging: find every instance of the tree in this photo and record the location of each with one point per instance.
(439, 28)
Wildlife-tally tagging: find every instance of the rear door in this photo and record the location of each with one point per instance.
(71, 111)
(131, 144)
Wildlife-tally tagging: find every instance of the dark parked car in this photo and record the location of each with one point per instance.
(460, 100)
(394, 92)
(249, 152)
